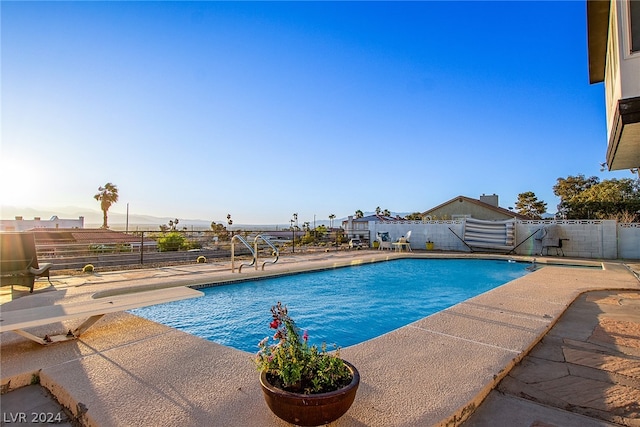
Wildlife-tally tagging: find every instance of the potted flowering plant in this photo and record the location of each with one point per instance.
(303, 384)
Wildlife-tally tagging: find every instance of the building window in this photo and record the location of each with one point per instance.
(634, 24)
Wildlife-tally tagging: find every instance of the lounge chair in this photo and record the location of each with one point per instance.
(403, 243)
(552, 238)
(384, 241)
(19, 261)
(489, 235)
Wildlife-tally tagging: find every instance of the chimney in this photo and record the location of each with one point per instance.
(490, 200)
(18, 218)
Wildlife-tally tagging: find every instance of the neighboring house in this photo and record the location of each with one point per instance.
(486, 208)
(359, 227)
(614, 58)
(58, 241)
(20, 224)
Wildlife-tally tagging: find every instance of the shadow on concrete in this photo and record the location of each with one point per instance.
(585, 371)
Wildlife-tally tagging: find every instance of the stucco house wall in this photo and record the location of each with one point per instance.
(462, 207)
(613, 38)
(622, 66)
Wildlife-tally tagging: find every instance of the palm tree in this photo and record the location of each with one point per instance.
(359, 214)
(331, 218)
(107, 196)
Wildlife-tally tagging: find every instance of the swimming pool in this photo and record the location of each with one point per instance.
(343, 306)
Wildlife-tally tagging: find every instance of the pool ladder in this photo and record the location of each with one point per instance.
(253, 250)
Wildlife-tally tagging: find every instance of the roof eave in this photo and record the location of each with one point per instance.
(480, 203)
(597, 33)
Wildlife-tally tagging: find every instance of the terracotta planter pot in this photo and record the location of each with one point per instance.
(310, 409)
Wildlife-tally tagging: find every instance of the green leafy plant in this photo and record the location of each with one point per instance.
(172, 241)
(293, 365)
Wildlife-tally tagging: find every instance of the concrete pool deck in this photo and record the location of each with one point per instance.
(129, 371)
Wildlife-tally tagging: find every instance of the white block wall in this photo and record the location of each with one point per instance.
(599, 239)
(629, 241)
(439, 232)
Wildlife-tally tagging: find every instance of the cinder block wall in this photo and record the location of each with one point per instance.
(629, 241)
(599, 239)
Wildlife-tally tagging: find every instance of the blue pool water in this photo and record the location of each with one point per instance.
(343, 306)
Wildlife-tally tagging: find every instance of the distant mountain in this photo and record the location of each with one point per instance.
(93, 218)
(68, 212)
(118, 221)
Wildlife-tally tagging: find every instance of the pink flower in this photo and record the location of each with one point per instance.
(305, 336)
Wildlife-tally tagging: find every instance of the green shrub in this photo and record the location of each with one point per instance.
(172, 241)
(88, 268)
(193, 244)
(201, 259)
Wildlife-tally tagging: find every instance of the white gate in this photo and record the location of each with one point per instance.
(629, 241)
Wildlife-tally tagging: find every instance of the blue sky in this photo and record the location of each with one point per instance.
(199, 109)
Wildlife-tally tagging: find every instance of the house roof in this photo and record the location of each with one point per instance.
(484, 205)
(375, 218)
(81, 235)
(597, 33)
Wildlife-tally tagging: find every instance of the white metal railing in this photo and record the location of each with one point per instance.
(254, 252)
(233, 246)
(276, 251)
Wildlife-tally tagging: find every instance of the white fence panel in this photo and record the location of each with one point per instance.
(629, 241)
(599, 239)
